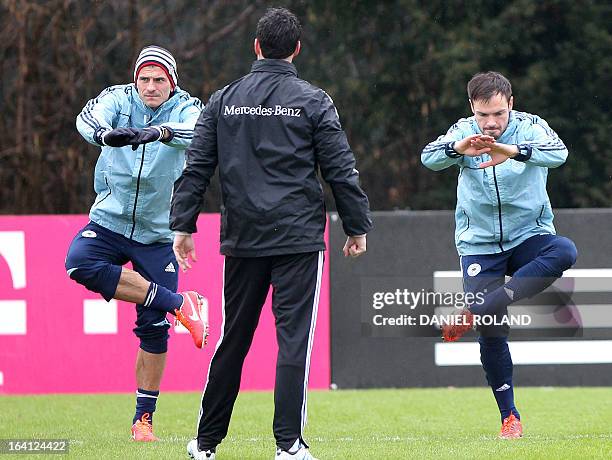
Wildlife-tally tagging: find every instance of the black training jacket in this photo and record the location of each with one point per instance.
(270, 132)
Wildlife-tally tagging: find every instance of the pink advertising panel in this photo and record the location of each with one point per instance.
(57, 337)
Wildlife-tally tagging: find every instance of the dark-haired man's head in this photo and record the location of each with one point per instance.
(490, 95)
(278, 35)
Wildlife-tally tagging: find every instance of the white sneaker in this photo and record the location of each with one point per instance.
(196, 454)
(301, 454)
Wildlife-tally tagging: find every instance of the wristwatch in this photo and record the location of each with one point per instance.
(165, 134)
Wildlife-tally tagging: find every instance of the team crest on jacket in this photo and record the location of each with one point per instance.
(474, 269)
(89, 234)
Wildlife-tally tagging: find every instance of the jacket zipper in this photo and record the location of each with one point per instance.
(137, 190)
(499, 212)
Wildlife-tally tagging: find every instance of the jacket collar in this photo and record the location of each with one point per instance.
(154, 113)
(274, 66)
(508, 132)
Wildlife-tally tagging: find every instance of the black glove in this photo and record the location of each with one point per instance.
(119, 137)
(146, 135)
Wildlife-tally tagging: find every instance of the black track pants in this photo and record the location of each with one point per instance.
(296, 281)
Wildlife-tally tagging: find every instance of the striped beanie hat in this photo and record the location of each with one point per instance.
(160, 57)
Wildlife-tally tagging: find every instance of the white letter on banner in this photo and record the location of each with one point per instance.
(13, 312)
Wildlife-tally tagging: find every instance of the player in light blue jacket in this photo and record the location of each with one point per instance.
(143, 129)
(504, 220)
(134, 181)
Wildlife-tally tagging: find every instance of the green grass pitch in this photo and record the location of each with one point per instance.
(367, 424)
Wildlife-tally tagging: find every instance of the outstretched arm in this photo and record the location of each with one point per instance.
(449, 150)
(542, 148)
(181, 131)
(98, 115)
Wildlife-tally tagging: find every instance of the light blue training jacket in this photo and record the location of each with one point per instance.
(501, 206)
(134, 188)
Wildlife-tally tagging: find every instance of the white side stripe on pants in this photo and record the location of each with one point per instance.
(313, 323)
(216, 346)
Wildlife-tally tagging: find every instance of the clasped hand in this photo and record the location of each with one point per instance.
(120, 137)
(479, 144)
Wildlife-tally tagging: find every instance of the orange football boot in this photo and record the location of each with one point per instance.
(511, 428)
(142, 430)
(194, 316)
(453, 332)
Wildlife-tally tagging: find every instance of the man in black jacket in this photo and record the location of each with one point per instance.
(269, 132)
